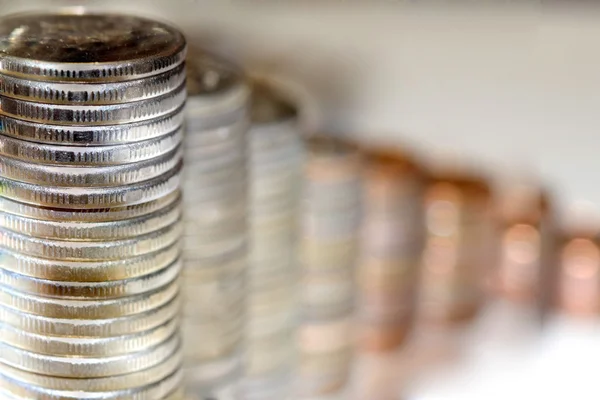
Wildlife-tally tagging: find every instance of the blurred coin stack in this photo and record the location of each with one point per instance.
(526, 229)
(215, 238)
(577, 286)
(391, 247)
(330, 219)
(458, 253)
(276, 166)
(90, 115)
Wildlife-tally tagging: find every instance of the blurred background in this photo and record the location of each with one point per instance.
(510, 89)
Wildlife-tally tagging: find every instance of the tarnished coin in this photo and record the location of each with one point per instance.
(88, 290)
(60, 92)
(88, 47)
(91, 328)
(92, 197)
(88, 309)
(90, 155)
(88, 367)
(79, 231)
(100, 135)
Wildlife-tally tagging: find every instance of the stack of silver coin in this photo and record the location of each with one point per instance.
(215, 237)
(276, 160)
(331, 214)
(90, 116)
(391, 247)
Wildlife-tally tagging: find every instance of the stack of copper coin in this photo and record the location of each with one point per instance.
(215, 239)
(577, 280)
(525, 244)
(276, 160)
(331, 214)
(391, 247)
(90, 119)
(458, 253)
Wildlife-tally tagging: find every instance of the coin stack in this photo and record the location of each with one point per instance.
(276, 162)
(577, 286)
(330, 219)
(526, 234)
(458, 247)
(90, 116)
(215, 237)
(391, 247)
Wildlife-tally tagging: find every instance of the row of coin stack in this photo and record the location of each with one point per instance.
(215, 249)
(275, 166)
(91, 119)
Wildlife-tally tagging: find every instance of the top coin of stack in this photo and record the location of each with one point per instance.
(90, 132)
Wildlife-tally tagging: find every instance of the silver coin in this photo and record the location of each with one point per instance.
(87, 347)
(99, 135)
(57, 92)
(88, 367)
(87, 290)
(88, 47)
(91, 250)
(88, 309)
(79, 231)
(94, 385)
(87, 215)
(92, 328)
(91, 115)
(90, 155)
(92, 197)
(89, 271)
(155, 390)
(79, 176)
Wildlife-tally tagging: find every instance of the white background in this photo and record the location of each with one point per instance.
(514, 86)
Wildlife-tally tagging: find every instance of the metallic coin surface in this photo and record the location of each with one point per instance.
(99, 135)
(88, 367)
(87, 309)
(98, 290)
(106, 384)
(92, 328)
(92, 197)
(92, 115)
(88, 47)
(89, 155)
(57, 92)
